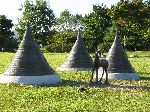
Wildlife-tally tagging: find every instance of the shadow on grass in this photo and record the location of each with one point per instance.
(80, 84)
(144, 73)
(130, 86)
(145, 78)
(65, 83)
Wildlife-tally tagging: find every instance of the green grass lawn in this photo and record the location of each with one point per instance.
(123, 96)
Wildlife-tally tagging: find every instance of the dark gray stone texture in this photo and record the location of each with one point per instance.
(29, 61)
(117, 58)
(79, 56)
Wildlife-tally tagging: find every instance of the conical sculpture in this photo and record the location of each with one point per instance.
(119, 66)
(29, 66)
(79, 58)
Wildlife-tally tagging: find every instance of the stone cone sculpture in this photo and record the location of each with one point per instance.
(119, 65)
(29, 66)
(79, 58)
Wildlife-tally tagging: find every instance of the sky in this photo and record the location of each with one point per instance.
(10, 8)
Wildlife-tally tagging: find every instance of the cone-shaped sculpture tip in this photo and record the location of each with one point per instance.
(27, 25)
(79, 58)
(117, 37)
(28, 33)
(119, 65)
(29, 66)
(79, 33)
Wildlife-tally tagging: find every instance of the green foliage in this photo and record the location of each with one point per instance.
(133, 17)
(96, 23)
(98, 27)
(109, 37)
(7, 42)
(61, 42)
(68, 22)
(41, 19)
(66, 26)
(65, 97)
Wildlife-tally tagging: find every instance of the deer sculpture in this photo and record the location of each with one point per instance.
(97, 64)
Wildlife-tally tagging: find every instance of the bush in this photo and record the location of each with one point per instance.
(57, 48)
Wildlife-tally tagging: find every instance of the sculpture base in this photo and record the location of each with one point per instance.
(33, 80)
(121, 76)
(74, 69)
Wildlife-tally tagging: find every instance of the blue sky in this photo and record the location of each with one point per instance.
(10, 7)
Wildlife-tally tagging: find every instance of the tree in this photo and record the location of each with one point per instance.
(7, 42)
(61, 42)
(41, 19)
(133, 17)
(96, 23)
(109, 37)
(77, 22)
(68, 21)
(67, 25)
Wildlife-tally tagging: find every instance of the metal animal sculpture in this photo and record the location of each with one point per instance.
(99, 63)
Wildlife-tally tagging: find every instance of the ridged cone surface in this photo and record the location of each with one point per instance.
(79, 56)
(29, 61)
(117, 58)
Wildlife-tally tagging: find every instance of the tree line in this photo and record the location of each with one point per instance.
(58, 34)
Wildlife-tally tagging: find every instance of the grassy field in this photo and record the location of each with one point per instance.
(121, 96)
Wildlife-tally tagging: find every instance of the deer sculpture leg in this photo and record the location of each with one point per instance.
(104, 71)
(97, 64)
(96, 71)
(106, 81)
(92, 75)
(104, 65)
(95, 67)
(102, 75)
(96, 75)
